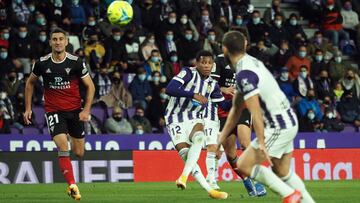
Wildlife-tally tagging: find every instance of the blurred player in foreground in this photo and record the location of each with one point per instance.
(274, 142)
(190, 91)
(62, 74)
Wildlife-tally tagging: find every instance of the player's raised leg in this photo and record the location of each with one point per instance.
(66, 166)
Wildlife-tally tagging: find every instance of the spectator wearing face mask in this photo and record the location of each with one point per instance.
(156, 106)
(149, 16)
(42, 46)
(282, 55)
(77, 16)
(332, 23)
(186, 22)
(277, 31)
(4, 37)
(117, 124)
(323, 85)
(270, 13)
(337, 67)
(338, 92)
(205, 22)
(318, 64)
(6, 63)
(310, 123)
(60, 13)
(154, 64)
(293, 28)
(303, 82)
(210, 44)
(168, 44)
(11, 84)
(286, 85)
(224, 8)
(257, 28)
(318, 41)
(115, 52)
(171, 23)
(351, 82)
(187, 47)
(94, 52)
(329, 103)
(349, 109)
(90, 28)
(221, 27)
(172, 65)
(261, 52)
(164, 8)
(140, 89)
(139, 119)
(148, 46)
(331, 123)
(307, 103)
(296, 61)
(95, 8)
(351, 20)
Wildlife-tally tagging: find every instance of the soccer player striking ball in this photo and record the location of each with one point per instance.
(274, 142)
(190, 91)
(62, 73)
(225, 74)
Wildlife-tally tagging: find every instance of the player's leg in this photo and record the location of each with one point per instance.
(211, 132)
(282, 169)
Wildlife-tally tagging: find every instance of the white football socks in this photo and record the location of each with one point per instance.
(267, 177)
(194, 152)
(211, 165)
(196, 172)
(294, 181)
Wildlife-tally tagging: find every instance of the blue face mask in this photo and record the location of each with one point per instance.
(302, 54)
(22, 34)
(155, 59)
(142, 77)
(211, 37)
(6, 36)
(75, 2)
(156, 79)
(239, 21)
(117, 37)
(169, 37)
(256, 21)
(3, 55)
(174, 59)
(318, 58)
(42, 38)
(40, 21)
(92, 23)
(163, 96)
(164, 1)
(18, 1)
(188, 36)
(31, 8)
(293, 22)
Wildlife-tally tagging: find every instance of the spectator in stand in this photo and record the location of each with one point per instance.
(205, 22)
(351, 82)
(186, 22)
(338, 92)
(296, 61)
(102, 82)
(117, 124)
(286, 85)
(282, 55)
(224, 8)
(318, 64)
(190, 8)
(21, 50)
(90, 28)
(173, 65)
(148, 46)
(220, 27)
(40, 23)
(349, 109)
(77, 17)
(303, 83)
(149, 16)
(319, 42)
(332, 23)
(59, 12)
(209, 6)
(140, 89)
(119, 95)
(167, 44)
(139, 119)
(277, 31)
(323, 85)
(210, 44)
(154, 64)
(260, 51)
(312, 9)
(132, 48)
(331, 123)
(164, 8)
(94, 52)
(310, 123)
(10, 84)
(350, 20)
(41, 45)
(270, 13)
(337, 67)
(293, 28)
(257, 28)
(243, 8)
(115, 53)
(20, 13)
(170, 24)
(4, 37)
(95, 8)
(239, 24)
(6, 113)
(307, 103)
(187, 47)
(6, 64)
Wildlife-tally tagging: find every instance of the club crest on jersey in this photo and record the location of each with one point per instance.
(58, 79)
(68, 70)
(52, 128)
(246, 86)
(48, 70)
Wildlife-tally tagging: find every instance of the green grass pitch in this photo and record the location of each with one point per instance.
(322, 191)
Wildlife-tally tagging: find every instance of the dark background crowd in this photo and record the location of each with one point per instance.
(311, 49)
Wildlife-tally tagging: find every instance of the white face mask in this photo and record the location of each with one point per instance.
(151, 41)
(284, 76)
(303, 74)
(3, 95)
(311, 115)
(172, 20)
(330, 115)
(183, 20)
(139, 132)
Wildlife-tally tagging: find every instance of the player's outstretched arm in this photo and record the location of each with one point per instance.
(254, 107)
(233, 117)
(29, 89)
(90, 91)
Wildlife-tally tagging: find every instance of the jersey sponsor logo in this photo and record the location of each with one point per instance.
(58, 79)
(246, 86)
(67, 70)
(182, 74)
(59, 84)
(48, 70)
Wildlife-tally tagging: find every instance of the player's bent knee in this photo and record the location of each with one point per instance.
(198, 137)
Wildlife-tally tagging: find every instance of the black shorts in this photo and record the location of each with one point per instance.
(245, 119)
(65, 122)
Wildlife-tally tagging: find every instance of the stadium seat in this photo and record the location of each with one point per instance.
(14, 130)
(99, 112)
(349, 128)
(130, 112)
(39, 113)
(30, 131)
